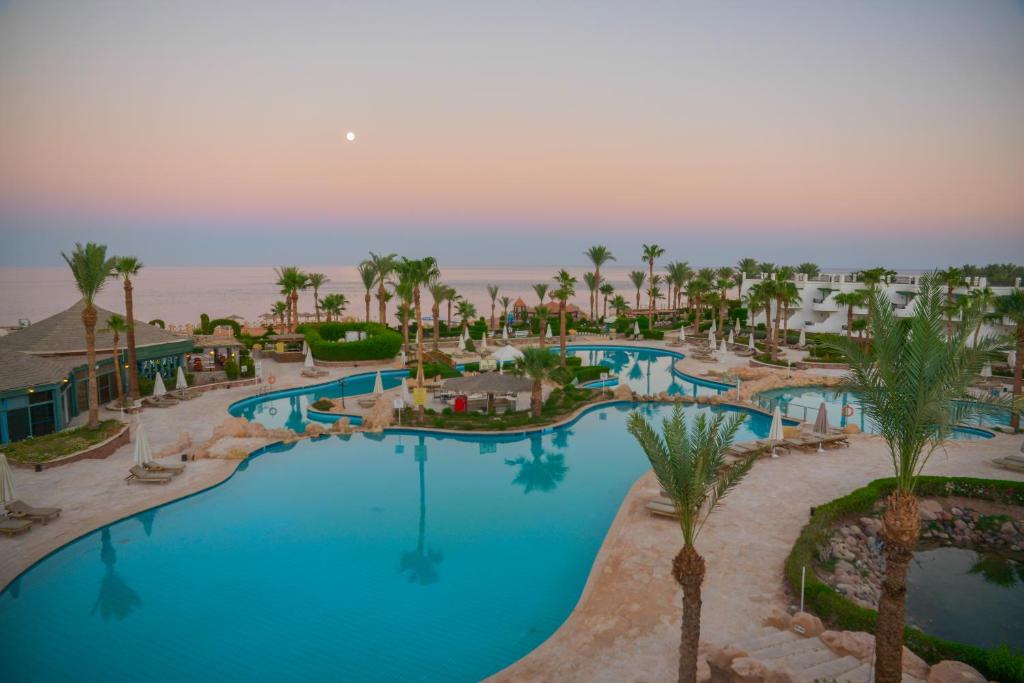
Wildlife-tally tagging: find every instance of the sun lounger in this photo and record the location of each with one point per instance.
(12, 526)
(138, 473)
(21, 509)
(154, 466)
(662, 507)
(161, 402)
(1011, 462)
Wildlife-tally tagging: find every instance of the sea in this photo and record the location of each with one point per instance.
(179, 295)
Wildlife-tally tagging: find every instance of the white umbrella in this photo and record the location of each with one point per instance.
(308, 363)
(406, 396)
(1011, 359)
(986, 371)
(803, 337)
(483, 342)
(821, 424)
(6, 481)
(732, 339)
(143, 453)
(682, 333)
(547, 331)
(378, 385)
(462, 343)
(182, 382)
(402, 358)
(158, 385)
(722, 349)
(636, 328)
(775, 433)
(504, 332)
(507, 354)
(711, 338)
(750, 342)
(305, 346)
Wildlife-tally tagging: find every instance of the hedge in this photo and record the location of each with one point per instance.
(999, 663)
(436, 369)
(381, 343)
(589, 373)
(653, 334)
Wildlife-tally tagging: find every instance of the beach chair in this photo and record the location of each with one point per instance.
(154, 466)
(12, 526)
(662, 507)
(138, 473)
(19, 509)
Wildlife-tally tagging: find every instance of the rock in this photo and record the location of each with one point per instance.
(722, 658)
(842, 566)
(871, 526)
(851, 429)
(956, 512)
(340, 425)
(806, 625)
(853, 643)
(703, 671)
(948, 671)
(231, 427)
(1007, 529)
(778, 618)
(929, 510)
(314, 429)
(914, 665)
(748, 670)
(622, 393)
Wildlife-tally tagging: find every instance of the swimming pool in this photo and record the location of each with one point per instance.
(645, 370)
(802, 403)
(365, 557)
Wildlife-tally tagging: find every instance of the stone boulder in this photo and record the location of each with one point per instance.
(232, 447)
(622, 393)
(851, 429)
(948, 671)
(379, 416)
(721, 659)
(853, 643)
(806, 625)
(181, 444)
(231, 427)
(914, 665)
(748, 670)
(314, 429)
(779, 619)
(929, 510)
(340, 426)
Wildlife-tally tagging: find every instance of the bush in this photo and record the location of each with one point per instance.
(767, 358)
(624, 325)
(381, 343)
(435, 369)
(652, 334)
(573, 362)
(323, 404)
(996, 663)
(589, 373)
(470, 346)
(447, 410)
(231, 369)
(561, 376)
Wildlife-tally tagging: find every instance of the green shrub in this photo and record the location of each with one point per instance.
(589, 373)
(624, 325)
(323, 404)
(435, 369)
(561, 375)
(652, 334)
(381, 343)
(767, 358)
(447, 410)
(471, 367)
(573, 361)
(470, 346)
(231, 369)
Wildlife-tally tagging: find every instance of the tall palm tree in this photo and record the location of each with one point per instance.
(1011, 307)
(653, 295)
(911, 380)
(466, 312)
(638, 278)
(291, 280)
(598, 255)
(952, 278)
(438, 293)
(541, 290)
(872, 278)
(607, 289)
(756, 298)
(789, 295)
(421, 271)
(383, 268)
(809, 269)
(279, 310)
(537, 364)
(723, 283)
(315, 282)
(506, 301)
(696, 290)
(127, 267)
(652, 252)
(117, 326)
(590, 280)
(620, 305)
(333, 305)
(983, 299)
(689, 462)
(403, 285)
(565, 289)
(850, 300)
(451, 296)
(368, 276)
(91, 268)
(782, 277)
(747, 267)
(492, 291)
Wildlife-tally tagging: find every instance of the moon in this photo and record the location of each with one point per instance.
(350, 136)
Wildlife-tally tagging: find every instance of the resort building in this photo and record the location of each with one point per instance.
(818, 311)
(43, 370)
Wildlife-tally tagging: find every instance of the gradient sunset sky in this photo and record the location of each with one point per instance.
(852, 134)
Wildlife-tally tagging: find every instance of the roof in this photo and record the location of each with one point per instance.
(64, 333)
(489, 383)
(519, 303)
(21, 370)
(209, 341)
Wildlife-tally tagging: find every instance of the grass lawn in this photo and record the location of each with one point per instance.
(45, 448)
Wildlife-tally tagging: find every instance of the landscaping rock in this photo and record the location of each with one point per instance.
(948, 671)
(778, 618)
(853, 643)
(809, 625)
(722, 658)
(914, 665)
(748, 670)
(851, 429)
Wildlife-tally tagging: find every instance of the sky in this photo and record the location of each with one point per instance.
(851, 134)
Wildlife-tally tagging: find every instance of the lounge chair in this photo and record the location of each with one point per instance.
(154, 466)
(662, 507)
(11, 526)
(19, 509)
(138, 473)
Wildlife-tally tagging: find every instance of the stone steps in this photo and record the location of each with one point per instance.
(832, 669)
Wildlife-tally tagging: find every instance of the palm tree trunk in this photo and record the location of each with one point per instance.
(597, 290)
(849, 322)
(561, 333)
(949, 311)
(436, 311)
(493, 326)
(419, 342)
(542, 328)
(1017, 367)
(383, 306)
(295, 311)
(901, 528)
(638, 299)
(536, 398)
(89, 321)
(316, 304)
(688, 570)
(367, 299)
(650, 284)
(117, 373)
(449, 323)
(605, 314)
(133, 368)
(775, 334)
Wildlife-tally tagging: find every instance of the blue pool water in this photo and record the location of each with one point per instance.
(389, 557)
(802, 404)
(646, 371)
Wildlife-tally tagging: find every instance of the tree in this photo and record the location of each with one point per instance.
(983, 299)
(689, 462)
(127, 267)
(291, 280)
(809, 269)
(537, 364)
(492, 291)
(466, 312)
(638, 277)
(912, 381)
(782, 278)
(723, 283)
(850, 300)
(315, 282)
(747, 267)
(789, 295)
(652, 252)
(368, 276)
(117, 326)
(565, 290)
(606, 290)
(403, 287)
(384, 268)
(506, 301)
(438, 293)
(1011, 307)
(450, 297)
(541, 290)
(590, 280)
(333, 305)
(280, 310)
(952, 278)
(620, 305)
(420, 272)
(598, 255)
(91, 268)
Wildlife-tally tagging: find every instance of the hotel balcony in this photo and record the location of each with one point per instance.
(903, 311)
(826, 305)
(860, 310)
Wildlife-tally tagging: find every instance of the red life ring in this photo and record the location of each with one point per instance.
(847, 411)
(272, 380)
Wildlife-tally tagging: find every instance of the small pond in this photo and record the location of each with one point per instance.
(967, 596)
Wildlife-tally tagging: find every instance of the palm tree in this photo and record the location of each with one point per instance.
(91, 268)
(315, 282)
(279, 310)
(723, 283)
(638, 277)
(696, 289)
(421, 272)
(851, 300)
(291, 280)
(983, 299)
(117, 325)
(537, 364)
(911, 380)
(782, 278)
(506, 301)
(565, 290)
(383, 268)
(599, 255)
(438, 293)
(606, 290)
(333, 305)
(872, 278)
(809, 269)
(1011, 307)
(689, 462)
(541, 471)
(127, 267)
(541, 290)
(789, 294)
(620, 305)
(757, 297)
(651, 252)
(952, 278)
(590, 280)
(368, 276)
(747, 267)
(492, 291)
(466, 311)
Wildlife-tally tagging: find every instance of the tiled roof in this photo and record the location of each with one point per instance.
(64, 333)
(19, 370)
